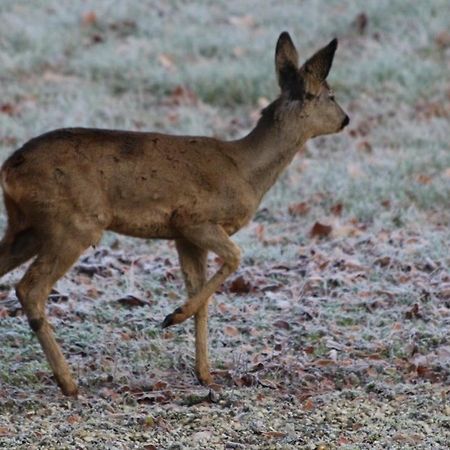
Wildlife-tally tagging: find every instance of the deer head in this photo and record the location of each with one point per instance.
(306, 98)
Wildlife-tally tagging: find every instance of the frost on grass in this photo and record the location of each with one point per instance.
(334, 331)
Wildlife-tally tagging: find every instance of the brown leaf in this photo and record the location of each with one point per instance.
(183, 95)
(243, 21)
(365, 147)
(5, 431)
(246, 380)
(273, 434)
(360, 22)
(320, 230)
(159, 385)
(89, 18)
(308, 405)
(423, 179)
(8, 108)
(131, 301)
(336, 209)
(383, 261)
(73, 419)
(413, 313)
(442, 39)
(282, 324)
(299, 209)
(240, 285)
(166, 61)
(231, 331)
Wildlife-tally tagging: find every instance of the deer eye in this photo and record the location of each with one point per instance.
(309, 96)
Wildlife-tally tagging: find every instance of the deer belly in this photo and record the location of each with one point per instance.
(152, 223)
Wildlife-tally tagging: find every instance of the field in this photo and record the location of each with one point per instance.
(334, 333)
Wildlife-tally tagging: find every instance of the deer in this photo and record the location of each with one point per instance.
(64, 188)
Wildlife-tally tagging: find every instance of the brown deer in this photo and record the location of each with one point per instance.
(64, 188)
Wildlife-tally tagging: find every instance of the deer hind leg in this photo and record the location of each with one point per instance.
(16, 249)
(193, 267)
(208, 237)
(52, 262)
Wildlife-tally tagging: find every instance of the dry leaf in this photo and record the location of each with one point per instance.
(240, 285)
(231, 331)
(336, 209)
(360, 22)
(354, 170)
(8, 108)
(320, 230)
(89, 18)
(299, 209)
(308, 405)
(73, 419)
(243, 21)
(282, 324)
(365, 147)
(442, 39)
(166, 61)
(423, 179)
(273, 434)
(131, 300)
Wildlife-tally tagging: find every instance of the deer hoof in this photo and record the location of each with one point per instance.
(174, 318)
(205, 379)
(168, 321)
(68, 388)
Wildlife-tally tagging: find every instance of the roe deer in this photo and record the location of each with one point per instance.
(64, 188)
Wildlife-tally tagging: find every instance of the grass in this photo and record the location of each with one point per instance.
(359, 318)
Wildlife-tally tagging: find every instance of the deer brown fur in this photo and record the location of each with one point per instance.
(64, 188)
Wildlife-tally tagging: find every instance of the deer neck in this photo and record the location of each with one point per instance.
(269, 148)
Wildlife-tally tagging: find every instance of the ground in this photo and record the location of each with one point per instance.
(334, 331)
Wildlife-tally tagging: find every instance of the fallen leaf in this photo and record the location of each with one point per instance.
(166, 61)
(354, 170)
(360, 22)
(423, 179)
(5, 431)
(159, 385)
(273, 434)
(442, 39)
(231, 331)
(320, 230)
(73, 419)
(413, 313)
(89, 18)
(243, 21)
(131, 301)
(282, 324)
(299, 209)
(8, 108)
(336, 209)
(365, 147)
(240, 285)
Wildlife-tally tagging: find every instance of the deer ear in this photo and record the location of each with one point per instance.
(318, 66)
(286, 65)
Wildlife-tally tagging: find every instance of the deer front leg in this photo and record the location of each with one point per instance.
(193, 267)
(214, 238)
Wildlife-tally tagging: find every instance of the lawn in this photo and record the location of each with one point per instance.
(334, 333)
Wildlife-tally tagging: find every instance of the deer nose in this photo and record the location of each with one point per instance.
(345, 122)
